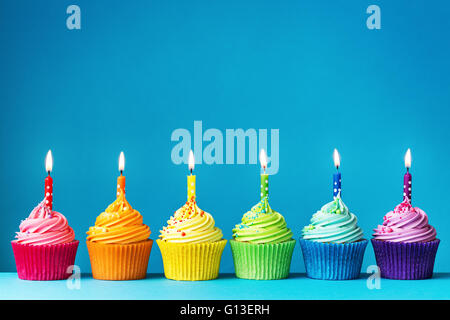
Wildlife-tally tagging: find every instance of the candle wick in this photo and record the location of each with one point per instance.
(121, 172)
(48, 173)
(407, 169)
(191, 171)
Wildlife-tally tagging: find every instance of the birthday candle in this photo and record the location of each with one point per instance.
(121, 178)
(191, 178)
(264, 176)
(337, 175)
(48, 191)
(407, 178)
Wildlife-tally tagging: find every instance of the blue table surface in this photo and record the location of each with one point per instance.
(227, 286)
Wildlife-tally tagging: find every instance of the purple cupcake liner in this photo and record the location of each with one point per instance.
(333, 261)
(405, 261)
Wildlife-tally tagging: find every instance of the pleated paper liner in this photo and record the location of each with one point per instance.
(333, 261)
(262, 261)
(119, 261)
(191, 261)
(44, 262)
(405, 261)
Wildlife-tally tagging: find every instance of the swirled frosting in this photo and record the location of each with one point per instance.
(44, 226)
(262, 224)
(119, 224)
(405, 224)
(190, 224)
(334, 223)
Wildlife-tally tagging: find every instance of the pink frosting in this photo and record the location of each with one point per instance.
(44, 226)
(405, 224)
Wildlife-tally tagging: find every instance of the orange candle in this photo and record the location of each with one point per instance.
(121, 178)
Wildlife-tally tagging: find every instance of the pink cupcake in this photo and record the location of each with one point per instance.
(405, 244)
(45, 246)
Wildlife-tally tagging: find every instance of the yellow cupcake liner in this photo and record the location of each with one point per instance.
(191, 261)
(119, 261)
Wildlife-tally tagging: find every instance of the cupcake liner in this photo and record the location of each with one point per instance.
(191, 261)
(269, 261)
(44, 262)
(333, 261)
(119, 261)
(405, 261)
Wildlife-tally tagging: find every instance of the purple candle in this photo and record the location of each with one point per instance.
(407, 179)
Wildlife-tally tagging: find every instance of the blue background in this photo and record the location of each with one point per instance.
(138, 70)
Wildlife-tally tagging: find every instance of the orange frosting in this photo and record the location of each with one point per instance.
(119, 224)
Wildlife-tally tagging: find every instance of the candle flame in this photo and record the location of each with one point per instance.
(263, 159)
(408, 158)
(49, 161)
(191, 161)
(121, 161)
(336, 158)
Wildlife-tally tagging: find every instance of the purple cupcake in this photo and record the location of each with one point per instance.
(405, 244)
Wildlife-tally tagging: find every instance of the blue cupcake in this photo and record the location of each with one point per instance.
(333, 245)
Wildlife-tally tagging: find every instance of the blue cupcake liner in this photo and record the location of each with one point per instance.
(333, 261)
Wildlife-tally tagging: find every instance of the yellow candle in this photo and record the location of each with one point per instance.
(191, 178)
(191, 186)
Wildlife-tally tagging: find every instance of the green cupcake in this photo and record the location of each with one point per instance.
(262, 244)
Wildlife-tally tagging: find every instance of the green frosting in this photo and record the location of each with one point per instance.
(262, 225)
(333, 223)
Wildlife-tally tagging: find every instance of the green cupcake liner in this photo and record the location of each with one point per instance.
(262, 261)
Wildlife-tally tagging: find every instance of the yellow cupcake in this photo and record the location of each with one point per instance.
(191, 245)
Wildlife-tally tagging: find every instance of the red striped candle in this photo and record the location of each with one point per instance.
(48, 191)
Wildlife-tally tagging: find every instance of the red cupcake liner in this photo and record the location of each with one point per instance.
(44, 262)
(405, 261)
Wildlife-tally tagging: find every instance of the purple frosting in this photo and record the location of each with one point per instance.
(405, 224)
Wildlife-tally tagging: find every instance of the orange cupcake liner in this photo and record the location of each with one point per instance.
(119, 261)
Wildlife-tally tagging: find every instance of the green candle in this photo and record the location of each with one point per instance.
(264, 185)
(264, 176)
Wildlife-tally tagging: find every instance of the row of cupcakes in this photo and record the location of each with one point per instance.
(191, 245)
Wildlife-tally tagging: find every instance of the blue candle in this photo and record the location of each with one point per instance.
(336, 184)
(337, 175)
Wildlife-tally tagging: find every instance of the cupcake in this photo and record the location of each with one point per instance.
(333, 245)
(262, 244)
(191, 245)
(118, 244)
(405, 244)
(45, 247)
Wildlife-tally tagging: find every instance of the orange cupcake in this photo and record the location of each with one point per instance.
(118, 244)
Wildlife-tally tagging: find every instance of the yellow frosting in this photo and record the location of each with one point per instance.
(190, 224)
(119, 224)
